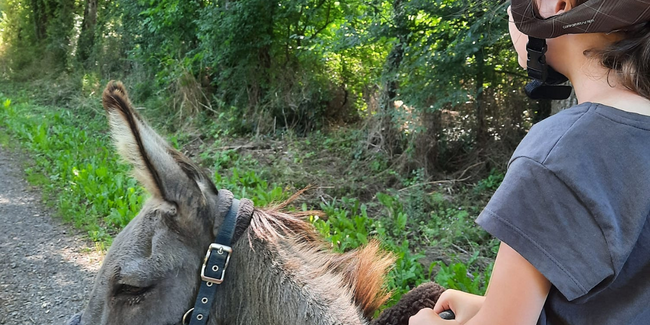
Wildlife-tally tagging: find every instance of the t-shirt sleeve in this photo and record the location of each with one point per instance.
(541, 218)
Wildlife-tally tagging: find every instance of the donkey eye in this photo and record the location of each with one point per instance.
(128, 290)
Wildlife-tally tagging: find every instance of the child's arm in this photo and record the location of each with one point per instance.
(516, 295)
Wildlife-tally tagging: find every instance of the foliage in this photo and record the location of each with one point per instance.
(76, 166)
(288, 64)
(250, 185)
(348, 226)
(454, 43)
(458, 276)
(42, 26)
(491, 183)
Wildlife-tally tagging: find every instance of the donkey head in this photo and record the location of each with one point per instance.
(149, 275)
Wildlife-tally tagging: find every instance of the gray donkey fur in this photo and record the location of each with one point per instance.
(280, 271)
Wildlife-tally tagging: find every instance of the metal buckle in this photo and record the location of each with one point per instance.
(220, 249)
(187, 313)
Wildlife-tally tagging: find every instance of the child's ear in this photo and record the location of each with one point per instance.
(563, 6)
(549, 8)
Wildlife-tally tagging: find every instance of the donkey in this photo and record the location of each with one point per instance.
(282, 273)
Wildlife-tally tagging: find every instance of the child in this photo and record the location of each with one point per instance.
(573, 210)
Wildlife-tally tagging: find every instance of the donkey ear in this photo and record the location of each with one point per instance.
(163, 171)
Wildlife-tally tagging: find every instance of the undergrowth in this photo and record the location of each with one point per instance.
(75, 165)
(72, 161)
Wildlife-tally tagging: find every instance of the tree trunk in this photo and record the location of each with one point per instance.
(87, 35)
(479, 107)
(261, 77)
(389, 135)
(40, 19)
(426, 144)
(387, 102)
(59, 30)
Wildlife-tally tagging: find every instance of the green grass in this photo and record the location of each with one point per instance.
(5, 140)
(73, 162)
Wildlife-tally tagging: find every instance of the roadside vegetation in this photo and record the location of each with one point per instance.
(432, 234)
(401, 114)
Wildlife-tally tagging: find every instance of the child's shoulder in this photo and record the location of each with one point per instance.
(584, 130)
(544, 136)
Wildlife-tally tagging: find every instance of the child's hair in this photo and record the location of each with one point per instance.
(629, 58)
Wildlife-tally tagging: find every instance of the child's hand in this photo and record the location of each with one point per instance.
(464, 305)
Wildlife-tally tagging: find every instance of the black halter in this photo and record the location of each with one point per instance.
(213, 270)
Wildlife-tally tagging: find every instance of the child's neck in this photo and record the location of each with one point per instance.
(592, 83)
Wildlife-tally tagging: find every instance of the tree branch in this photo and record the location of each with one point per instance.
(515, 74)
(327, 21)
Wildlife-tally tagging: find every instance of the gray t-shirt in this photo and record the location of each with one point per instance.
(575, 203)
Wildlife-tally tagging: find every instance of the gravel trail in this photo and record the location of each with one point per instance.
(46, 268)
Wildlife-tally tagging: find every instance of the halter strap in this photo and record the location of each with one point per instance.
(217, 257)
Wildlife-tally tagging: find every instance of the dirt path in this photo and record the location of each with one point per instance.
(46, 268)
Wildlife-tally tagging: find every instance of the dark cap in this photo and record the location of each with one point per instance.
(593, 16)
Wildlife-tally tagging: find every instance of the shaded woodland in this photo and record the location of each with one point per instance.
(432, 84)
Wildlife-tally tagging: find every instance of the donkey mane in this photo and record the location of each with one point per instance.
(362, 271)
